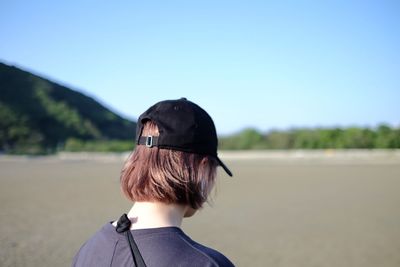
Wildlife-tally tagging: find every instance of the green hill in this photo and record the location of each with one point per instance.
(39, 116)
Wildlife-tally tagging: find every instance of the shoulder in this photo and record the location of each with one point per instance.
(214, 257)
(97, 249)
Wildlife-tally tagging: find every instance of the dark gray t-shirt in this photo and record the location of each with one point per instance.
(165, 246)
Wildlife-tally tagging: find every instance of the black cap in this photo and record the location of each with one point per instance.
(183, 126)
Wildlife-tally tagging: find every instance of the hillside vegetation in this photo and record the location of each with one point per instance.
(40, 116)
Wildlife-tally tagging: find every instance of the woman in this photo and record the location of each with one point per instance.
(168, 176)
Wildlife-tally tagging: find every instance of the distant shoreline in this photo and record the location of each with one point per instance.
(377, 156)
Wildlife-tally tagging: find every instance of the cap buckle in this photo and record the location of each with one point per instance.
(149, 141)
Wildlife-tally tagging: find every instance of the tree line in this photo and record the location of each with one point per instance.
(382, 137)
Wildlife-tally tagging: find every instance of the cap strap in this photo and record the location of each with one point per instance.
(148, 141)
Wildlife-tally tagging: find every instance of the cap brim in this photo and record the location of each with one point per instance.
(224, 167)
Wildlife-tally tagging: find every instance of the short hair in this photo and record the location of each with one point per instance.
(168, 176)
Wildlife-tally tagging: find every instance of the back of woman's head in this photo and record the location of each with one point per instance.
(168, 176)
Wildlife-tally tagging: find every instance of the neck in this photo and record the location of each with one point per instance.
(156, 214)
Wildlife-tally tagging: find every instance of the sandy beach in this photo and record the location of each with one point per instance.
(298, 208)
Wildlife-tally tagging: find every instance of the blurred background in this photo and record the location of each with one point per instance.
(304, 95)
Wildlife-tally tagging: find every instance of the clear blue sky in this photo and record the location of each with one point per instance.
(262, 64)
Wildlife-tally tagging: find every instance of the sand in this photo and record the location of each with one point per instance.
(282, 209)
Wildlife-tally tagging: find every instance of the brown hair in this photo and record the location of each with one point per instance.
(169, 176)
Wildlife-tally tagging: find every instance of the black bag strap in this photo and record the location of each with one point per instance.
(123, 226)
